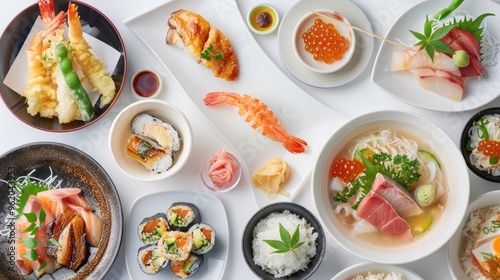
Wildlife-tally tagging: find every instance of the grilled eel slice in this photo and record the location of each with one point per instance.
(193, 33)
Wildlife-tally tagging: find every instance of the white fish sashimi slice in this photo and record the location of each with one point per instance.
(412, 58)
(441, 82)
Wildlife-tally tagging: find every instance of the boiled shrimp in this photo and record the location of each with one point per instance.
(40, 92)
(91, 66)
(258, 115)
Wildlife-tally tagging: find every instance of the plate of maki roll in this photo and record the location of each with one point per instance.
(172, 235)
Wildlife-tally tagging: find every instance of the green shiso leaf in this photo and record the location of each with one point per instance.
(29, 242)
(25, 189)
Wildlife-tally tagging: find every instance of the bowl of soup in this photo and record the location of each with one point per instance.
(390, 187)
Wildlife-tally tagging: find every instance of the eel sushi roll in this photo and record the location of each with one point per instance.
(188, 267)
(151, 229)
(149, 154)
(175, 245)
(150, 260)
(182, 215)
(203, 238)
(163, 133)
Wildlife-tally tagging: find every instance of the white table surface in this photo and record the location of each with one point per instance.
(357, 97)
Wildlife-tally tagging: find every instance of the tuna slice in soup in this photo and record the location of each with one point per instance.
(378, 212)
(396, 196)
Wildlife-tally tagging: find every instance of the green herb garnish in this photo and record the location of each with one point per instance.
(430, 40)
(400, 168)
(209, 52)
(31, 242)
(287, 243)
(25, 188)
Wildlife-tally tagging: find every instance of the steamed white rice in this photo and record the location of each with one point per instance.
(283, 264)
(380, 276)
(478, 159)
(470, 233)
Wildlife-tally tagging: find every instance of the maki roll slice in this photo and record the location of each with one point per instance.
(151, 229)
(175, 245)
(149, 154)
(150, 260)
(203, 238)
(188, 267)
(182, 215)
(163, 133)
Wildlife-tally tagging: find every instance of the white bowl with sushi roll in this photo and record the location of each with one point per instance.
(390, 187)
(150, 140)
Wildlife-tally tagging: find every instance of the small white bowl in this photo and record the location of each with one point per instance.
(307, 58)
(208, 182)
(457, 242)
(268, 11)
(146, 84)
(120, 132)
(363, 268)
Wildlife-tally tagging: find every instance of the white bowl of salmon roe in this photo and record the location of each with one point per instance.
(324, 44)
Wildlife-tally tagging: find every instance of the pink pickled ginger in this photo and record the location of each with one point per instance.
(222, 169)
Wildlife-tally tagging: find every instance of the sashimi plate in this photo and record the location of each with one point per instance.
(258, 77)
(404, 86)
(212, 212)
(65, 166)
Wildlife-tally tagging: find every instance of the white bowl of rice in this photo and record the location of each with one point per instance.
(376, 271)
(460, 260)
(302, 262)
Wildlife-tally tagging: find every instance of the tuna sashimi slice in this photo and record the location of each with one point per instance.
(378, 212)
(57, 200)
(458, 39)
(441, 82)
(397, 197)
(93, 224)
(412, 58)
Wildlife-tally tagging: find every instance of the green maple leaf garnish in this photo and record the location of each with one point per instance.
(430, 40)
(287, 243)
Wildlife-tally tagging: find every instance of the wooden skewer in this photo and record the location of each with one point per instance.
(360, 30)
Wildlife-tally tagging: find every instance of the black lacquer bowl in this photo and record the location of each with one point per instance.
(68, 168)
(279, 207)
(93, 23)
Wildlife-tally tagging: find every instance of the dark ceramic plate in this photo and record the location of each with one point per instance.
(465, 139)
(70, 168)
(279, 208)
(94, 23)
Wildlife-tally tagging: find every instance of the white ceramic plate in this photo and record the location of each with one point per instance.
(259, 77)
(478, 92)
(361, 268)
(359, 60)
(212, 212)
(453, 168)
(457, 242)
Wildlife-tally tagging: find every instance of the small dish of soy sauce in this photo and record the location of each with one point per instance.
(146, 84)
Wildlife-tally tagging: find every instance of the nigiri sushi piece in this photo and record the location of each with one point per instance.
(412, 58)
(441, 82)
(93, 224)
(57, 200)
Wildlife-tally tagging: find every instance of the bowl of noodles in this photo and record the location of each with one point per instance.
(49, 103)
(479, 141)
(390, 187)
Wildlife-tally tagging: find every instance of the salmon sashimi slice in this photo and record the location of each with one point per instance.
(93, 224)
(378, 212)
(412, 58)
(33, 205)
(57, 200)
(396, 195)
(441, 82)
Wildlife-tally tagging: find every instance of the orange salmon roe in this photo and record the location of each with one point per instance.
(347, 169)
(489, 148)
(324, 42)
